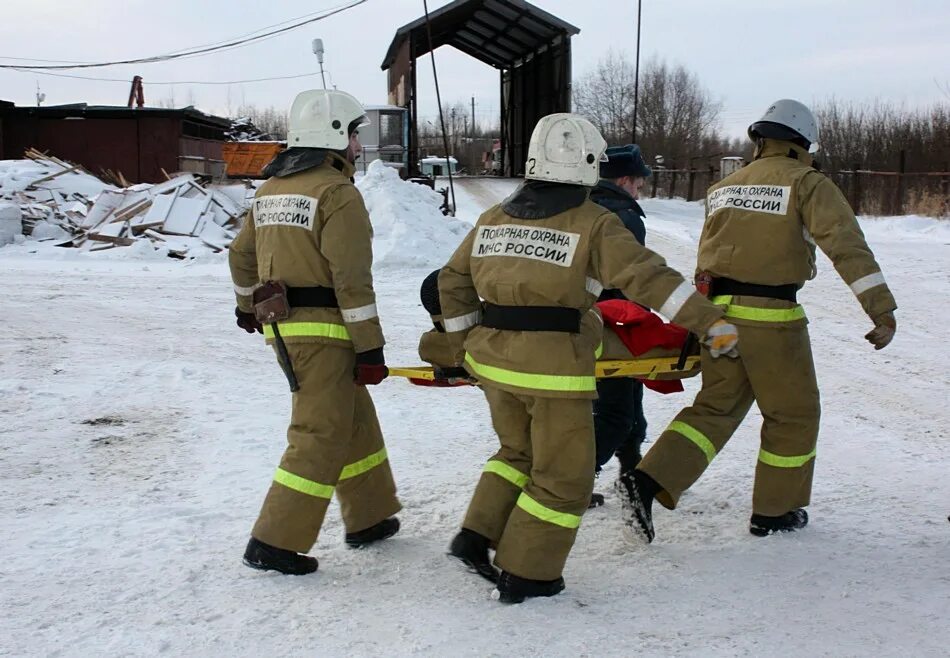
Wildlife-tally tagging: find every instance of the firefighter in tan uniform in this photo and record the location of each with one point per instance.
(516, 299)
(758, 249)
(309, 230)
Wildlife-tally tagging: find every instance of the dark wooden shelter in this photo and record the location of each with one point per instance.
(530, 48)
(139, 142)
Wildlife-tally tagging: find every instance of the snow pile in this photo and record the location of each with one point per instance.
(409, 228)
(11, 224)
(47, 180)
(907, 227)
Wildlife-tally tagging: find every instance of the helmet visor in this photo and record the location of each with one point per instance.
(356, 124)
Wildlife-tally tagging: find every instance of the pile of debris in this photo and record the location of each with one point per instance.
(244, 130)
(62, 202)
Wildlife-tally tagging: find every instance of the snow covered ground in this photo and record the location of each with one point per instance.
(140, 429)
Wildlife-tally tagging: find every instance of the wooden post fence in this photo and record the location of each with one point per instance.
(901, 168)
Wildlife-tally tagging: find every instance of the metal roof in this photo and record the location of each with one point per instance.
(82, 110)
(497, 32)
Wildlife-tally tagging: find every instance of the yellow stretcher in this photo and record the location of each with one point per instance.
(662, 368)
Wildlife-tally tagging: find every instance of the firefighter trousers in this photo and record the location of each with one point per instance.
(334, 443)
(534, 490)
(775, 370)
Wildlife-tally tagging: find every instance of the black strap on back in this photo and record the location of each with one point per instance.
(532, 318)
(724, 286)
(314, 296)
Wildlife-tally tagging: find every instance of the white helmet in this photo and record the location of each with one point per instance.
(565, 148)
(787, 119)
(322, 119)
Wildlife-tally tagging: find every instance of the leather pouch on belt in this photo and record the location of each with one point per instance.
(270, 302)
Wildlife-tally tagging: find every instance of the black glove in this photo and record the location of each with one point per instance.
(370, 367)
(247, 321)
(885, 326)
(454, 376)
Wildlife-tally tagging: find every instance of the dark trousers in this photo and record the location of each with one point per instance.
(619, 424)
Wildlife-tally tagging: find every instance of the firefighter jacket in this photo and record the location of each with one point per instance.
(308, 227)
(763, 222)
(549, 246)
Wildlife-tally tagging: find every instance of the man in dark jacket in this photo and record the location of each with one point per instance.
(619, 424)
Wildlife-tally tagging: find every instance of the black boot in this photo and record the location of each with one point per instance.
(515, 589)
(596, 500)
(762, 526)
(629, 454)
(471, 549)
(382, 530)
(637, 490)
(265, 557)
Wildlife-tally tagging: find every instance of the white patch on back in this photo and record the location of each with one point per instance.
(771, 199)
(544, 244)
(295, 210)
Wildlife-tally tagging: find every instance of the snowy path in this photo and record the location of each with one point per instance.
(124, 537)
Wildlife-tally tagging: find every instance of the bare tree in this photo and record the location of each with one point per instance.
(270, 120)
(873, 135)
(605, 96)
(676, 116)
(168, 101)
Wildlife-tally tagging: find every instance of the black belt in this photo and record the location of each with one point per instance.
(724, 286)
(312, 296)
(532, 318)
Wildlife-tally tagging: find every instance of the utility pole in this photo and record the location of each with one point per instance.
(454, 129)
(318, 51)
(636, 77)
(472, 133)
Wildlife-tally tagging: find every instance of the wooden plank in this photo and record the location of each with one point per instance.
(139, 229)
(53, 175)
(125, 242)
(133, 210)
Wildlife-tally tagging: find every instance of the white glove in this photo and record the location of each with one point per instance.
(721, 339)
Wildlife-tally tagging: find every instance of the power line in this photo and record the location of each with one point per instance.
(194, 51)
(241, 36)
(51, 61)
(173, 52)
(181, 82)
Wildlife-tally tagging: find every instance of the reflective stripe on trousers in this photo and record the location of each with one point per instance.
(506, 472)
(778, 461)
(697, 437)
(703, 443)
(539, 511)
(318, 490)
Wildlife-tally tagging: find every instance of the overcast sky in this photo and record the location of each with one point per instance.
(747, 53)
